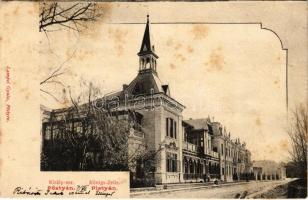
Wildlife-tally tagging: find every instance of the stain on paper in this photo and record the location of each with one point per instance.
(200, 32)
(216, 61)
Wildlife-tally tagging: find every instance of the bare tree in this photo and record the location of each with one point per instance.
(52, 78)
(56, 16)
(66, 15)
(298, 133)
(88, 136)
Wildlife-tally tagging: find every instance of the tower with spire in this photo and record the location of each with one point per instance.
(147, 56)
(159, 114)
(147, 81)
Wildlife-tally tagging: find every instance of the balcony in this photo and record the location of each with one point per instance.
(189, 147)
(214, 154)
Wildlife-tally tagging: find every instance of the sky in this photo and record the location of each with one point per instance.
(234, 73)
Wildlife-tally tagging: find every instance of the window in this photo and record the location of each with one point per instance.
(167, 126)
(174, 129)
(139, 169)
(148, 64)
(223, 171)
(68, 127)
(210, 167)
(222, 149)
(171, 129)
(172, 162)
(209, 143)
(55, 131)
(47, 135)
(78, 128)
(138, 89)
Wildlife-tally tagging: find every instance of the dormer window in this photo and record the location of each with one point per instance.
(138, 89)
(166, 89)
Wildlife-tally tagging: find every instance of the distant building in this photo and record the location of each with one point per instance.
(257, 172)
(268, 170)
(222, 157)
(189, 150)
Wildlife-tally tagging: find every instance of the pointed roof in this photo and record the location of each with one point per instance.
(143, 84)
(146, 46)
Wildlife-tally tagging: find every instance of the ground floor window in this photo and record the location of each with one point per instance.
(172, 162)
(139, 169)
(48, 133)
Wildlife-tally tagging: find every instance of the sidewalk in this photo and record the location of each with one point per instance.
(180, 187)
(267, 189)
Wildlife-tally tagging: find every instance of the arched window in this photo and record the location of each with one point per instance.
(148, 63)
(191, 166)
(143, 63)
(186, 165)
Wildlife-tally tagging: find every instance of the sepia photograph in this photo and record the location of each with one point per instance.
(165, 99)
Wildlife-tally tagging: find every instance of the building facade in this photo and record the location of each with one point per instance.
(194, 150)
(268, 170)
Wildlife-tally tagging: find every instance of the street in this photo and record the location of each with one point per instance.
(229, 191)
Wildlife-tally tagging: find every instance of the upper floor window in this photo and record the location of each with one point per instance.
(222, 149)
(171, 128)
(209, 144)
